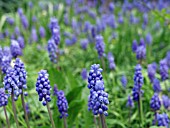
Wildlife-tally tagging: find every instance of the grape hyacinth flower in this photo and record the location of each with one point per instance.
(163, 120)
(141, 52)
(43, 89)
(3, 97)
(62, 104)
(124, 81)
(100, 46)
(156, 85)
(10, 20)
(148, 38)
(164, 69)
(21, 42)
(42, 32)
(20, 72)
(15, 49)
(138, 82)
(134, 46)
(5, 60)
(3, 103)
(110, 58)
(166, 101)
(136, 91)
(155, 102)
(84, 44)
(98, 98)
(151, 72)
(20, 12)
(84, 74)
(24, 21)
(10, 84)
(130, 102)
(17, 31)
(34, 37)
(52, 50)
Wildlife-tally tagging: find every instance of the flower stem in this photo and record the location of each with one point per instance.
(14, 109)
(7, 121)
(25, 113)
(102, 121)
(140, 110)
(95, 121)
(65, 122)
(51, 118)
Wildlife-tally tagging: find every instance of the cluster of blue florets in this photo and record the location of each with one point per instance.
(98, 98)
(110, 58)
(155, 102)
(164, 69)
(3, 97)
(62, 104)
(11, 82)
(100, 46)
(163, 120)
(43, 87)
(152, 71)
(52, 50)
(15, 49)
(138, 82)
(53, 43)
(22, 75)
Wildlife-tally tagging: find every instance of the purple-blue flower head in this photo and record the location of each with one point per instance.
(155, 102)
(3, 97)
(141, 52)
(34, 37)
(134, 45)
(166, 101)
(151, 72)
(43, 87)
(148, 38)
(84, 74)
(42, 32)
(34, 19)
(17, 31)
(62, 104)
(111, 7)
(24, 21)
(52, 50)
(21, 42)
(124, 81)
(21, 73)
(98, 99)
(110, 58)
(163, 69)
(163, 120)
(11, 81)
(20, 12)
(156, 85)
(130, 102)
(84, 43)
(10, 20)
(15, 49)
(100, 46)
(138, 82)
(94, 75)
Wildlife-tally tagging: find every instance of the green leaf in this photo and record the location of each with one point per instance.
(74, 94)
(74, 109)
